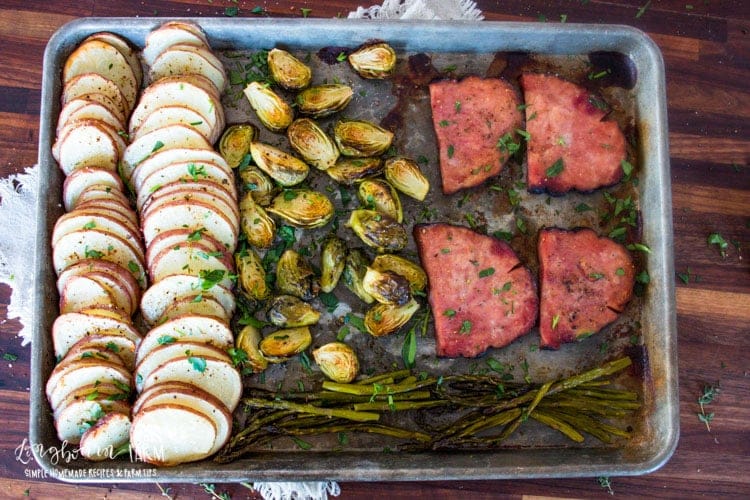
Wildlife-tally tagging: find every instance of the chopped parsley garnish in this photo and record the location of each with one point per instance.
(450, 150)
(166, 339)
(486, 272)
(555, 169)
(465, 326)
(198, 363)
(449, 312)
(718, 240)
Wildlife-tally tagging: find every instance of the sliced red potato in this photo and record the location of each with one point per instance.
(121, 345)
(96, 56)
(83, 108)
(194, 91)
(165, 138)
(170, 115)
(228, 208)
(167, 157)
(111, 207)
(103, 192)
(98, 244)
(161, 294)
(68, 329)
(207, 186)
(77, 417)
(171, 434)
(125, 49)
(83, 373)
(83, 178)
(215, 376)
(102, 440)
(184, 172)
(171, 34)
(202, 305)
(184, 59)
(88, 219)
(194, 215)
(107, 390)
(99, 88)
(88, 143)
(190, 260)
(172, 350)
(196, 399)
(81, 292)
(194, 328)
(183, 236)
(115, 273)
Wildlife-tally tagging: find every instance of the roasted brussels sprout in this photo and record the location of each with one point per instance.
(377, 230)
(272, 111)
(287, 70)
(359, 138)
(290, 311)
(312, 143)
(258, 227)
(235, 142)
(248, 340)
(404, 174)
(379, 195)
(354, 271)
(281, 166)
(283, 344)
(258, 184)
(412, 272)
(303, 208)
(337, 361)
(251, 275)
(324, 100)
(374, 61)
(384, 319)
(294, 276)
(332, 261)
(386, 287)
(351, 170)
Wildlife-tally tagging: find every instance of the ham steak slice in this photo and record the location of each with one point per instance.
(571, 147)
(480, 293)
(586, 281)
(470, 117)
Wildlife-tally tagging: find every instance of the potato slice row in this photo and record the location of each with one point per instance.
(97, 251)
(188, 215)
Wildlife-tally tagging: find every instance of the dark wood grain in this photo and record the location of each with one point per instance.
(706, 47)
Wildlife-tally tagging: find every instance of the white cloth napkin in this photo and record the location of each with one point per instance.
(18, 218)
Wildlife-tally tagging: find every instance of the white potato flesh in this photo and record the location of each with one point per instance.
(182, 59)
(77, 417)
(81, 292)
(83, 178)
(189, 327)
(190, 260)
(102, 440)
(184, 172)
(67, 329)
(82, 108)
(85, 374)
(203, 186)
(96, 87)
(125, 49)
(202, 305)
(86, 144)
(167, 352)
(161, 39)
(182, 115)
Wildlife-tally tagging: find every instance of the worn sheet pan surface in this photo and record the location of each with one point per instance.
(472, 48)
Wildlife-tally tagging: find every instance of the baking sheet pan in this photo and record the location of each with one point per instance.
(472, 48)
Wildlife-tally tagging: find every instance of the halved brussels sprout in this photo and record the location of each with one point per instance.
(283, 344)
(324, 100)
(258, 184)
(303, 208)
(404, 174)
(377, 230)
(290, 311)
(386, 287)
(351, 170)
(258, 227)
(374, 61)
(412, 272)
(272, 111)
(312, 143)
(248, 340)
(281, 166)
(251, 275)
(384, 319)
(294, 276)
(337, 361)
(235, 142)
(287, 70)
(360, 138)
(332, 261)
(379, 195)
(354, 271)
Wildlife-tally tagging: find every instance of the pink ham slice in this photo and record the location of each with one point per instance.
(481, 295)
(570, 148)
(586, 281)
(470, 117)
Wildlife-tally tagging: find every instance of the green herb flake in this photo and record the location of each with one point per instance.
(451, 150)
(7, 356)
(521, 225)
(503, 235)
(582, 207)
(444, 123)
(555, 169)
(157, 146)
(329, 300)
(196, 235)
(640, 247)
(305, 12)
(465, 327)
(596, 276)
(166, 339)
(642, 10)
(449, 312)
(620, 271)
(484, 273)
(627, 168)
(643, 278)
(524, 134)
(198, 363)
(341, 57)
(457, 106)
(89, 225)
(555, 321)
(257, 10)
(718, 240)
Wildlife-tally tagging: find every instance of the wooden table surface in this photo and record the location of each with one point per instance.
(706, 47)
